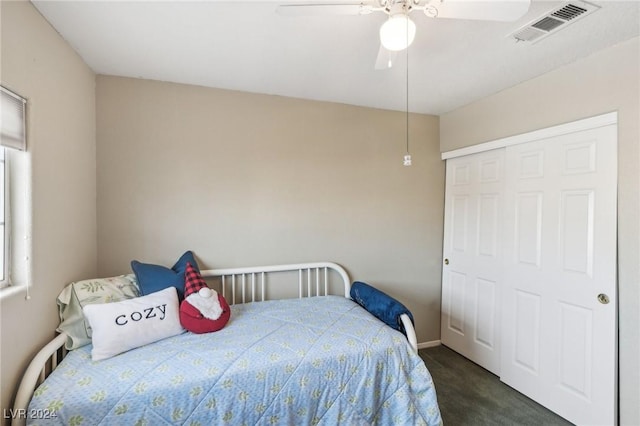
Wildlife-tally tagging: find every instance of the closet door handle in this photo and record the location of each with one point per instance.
(446, 261)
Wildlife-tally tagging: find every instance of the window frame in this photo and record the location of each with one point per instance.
(13, 141)
(5, 222)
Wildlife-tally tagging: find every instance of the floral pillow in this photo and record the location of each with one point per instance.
(87, 292)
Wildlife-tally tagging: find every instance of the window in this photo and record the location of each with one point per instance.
(14, 183)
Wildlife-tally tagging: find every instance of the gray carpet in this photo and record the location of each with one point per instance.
(470, 395)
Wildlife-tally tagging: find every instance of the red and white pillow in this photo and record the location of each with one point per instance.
(203, 310)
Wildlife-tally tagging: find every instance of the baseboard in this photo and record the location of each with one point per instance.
(430, 344)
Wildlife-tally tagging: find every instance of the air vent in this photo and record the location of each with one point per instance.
(548, 24)
(569, 12)
(553, 21)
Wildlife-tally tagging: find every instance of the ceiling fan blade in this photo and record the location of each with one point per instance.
(487, 10)
(324, 9)
(386, 58)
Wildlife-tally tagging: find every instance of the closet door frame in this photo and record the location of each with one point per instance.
(592, 123)
(561, 129)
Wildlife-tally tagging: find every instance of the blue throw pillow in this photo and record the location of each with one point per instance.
(381, 305)
(152, 278)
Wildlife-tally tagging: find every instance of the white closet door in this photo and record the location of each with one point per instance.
(471, 276)
(559, 294)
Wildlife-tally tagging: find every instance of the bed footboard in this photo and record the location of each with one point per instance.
(45, 361)
(411, 332)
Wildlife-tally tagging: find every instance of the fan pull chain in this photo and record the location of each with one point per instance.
(407, 156)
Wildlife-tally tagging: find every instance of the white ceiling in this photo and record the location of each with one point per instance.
(246, 46)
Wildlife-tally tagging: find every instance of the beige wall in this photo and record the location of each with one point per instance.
(247, 179)
(38, 64)
(244, 179)
(606, 81)
(226, 174)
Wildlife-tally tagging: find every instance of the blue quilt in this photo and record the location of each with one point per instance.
(320, 360)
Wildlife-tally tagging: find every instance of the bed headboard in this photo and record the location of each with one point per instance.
(242, 285)
(251, 284)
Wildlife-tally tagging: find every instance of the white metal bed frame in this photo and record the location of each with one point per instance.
(248, 284)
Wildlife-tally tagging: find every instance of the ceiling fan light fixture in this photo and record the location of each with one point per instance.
(398, 32)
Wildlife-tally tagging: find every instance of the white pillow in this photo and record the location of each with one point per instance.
(121, 326)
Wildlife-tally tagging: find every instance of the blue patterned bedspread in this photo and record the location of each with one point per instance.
(321, 360)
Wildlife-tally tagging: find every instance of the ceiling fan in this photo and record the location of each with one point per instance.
(398, 32)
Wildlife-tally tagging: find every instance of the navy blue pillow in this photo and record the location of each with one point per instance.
(381, 305)
(152, 278)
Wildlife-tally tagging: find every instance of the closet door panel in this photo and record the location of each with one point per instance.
(559, 309)
(472, 255)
